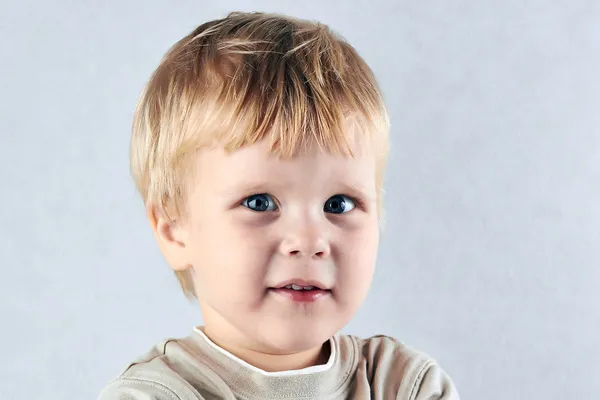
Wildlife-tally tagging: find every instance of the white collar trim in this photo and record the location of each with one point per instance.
(304, 371)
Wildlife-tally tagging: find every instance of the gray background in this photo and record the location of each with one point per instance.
(491, 255)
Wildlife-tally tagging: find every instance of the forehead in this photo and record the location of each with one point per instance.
(259, 162)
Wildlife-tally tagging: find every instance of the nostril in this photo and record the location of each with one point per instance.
(294, 252)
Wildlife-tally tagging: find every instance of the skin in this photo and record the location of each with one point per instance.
(237, 253)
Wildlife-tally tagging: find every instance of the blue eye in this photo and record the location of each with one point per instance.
(339, 204)
(260, 202)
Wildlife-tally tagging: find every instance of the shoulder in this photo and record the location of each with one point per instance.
(411, 374)
(156, 375)
(124, 388)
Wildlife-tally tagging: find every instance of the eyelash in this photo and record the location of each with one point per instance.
(358, 203)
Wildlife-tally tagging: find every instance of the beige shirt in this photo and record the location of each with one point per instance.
(192, 368)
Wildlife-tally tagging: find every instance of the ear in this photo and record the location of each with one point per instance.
(171, 237)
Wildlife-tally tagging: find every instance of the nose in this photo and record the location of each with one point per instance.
(306, 240)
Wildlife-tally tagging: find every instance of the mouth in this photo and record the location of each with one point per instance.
(302, 291)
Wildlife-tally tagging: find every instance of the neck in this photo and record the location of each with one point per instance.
(270, 361)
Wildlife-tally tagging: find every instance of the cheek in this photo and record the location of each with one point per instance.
(229, 259)
(357, 261)
(361, 240)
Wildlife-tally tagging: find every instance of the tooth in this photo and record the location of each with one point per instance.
(296, 287)
(309, 287)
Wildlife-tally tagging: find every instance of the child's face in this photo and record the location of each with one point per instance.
(256, 222)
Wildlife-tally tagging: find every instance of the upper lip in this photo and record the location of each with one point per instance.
(303, 282)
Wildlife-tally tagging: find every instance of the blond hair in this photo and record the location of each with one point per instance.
(241, 79)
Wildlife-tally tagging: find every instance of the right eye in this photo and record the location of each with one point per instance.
(260, 203)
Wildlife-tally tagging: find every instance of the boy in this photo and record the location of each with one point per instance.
(259, 146)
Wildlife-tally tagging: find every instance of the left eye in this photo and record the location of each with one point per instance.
(260, 203)
(339, 204)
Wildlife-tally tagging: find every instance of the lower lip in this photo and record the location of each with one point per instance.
(302, 296)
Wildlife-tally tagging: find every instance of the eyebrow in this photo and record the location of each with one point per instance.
(361, 190)
(247, 188)
(244, 188)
